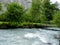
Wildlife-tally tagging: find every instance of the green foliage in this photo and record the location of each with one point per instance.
(14, 12)
(56, 18)
(36, 10)
(40, 12)
(43, 19)
(27, 17)
(2, 17)
(0, 6)
(49, 9)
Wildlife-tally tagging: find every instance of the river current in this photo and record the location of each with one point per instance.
(28, 37)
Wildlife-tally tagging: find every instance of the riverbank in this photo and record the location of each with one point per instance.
(7, 25)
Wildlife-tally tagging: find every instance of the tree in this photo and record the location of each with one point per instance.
(50, 9)
(14, 12)
(36, 10)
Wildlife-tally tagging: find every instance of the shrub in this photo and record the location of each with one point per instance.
(27, 17)
(43, 19)
(56, 18)
(14, 12)
(2, 17)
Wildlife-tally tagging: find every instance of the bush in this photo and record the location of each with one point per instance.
(43, 19)
(27, 17)
(2, 17)
(56, 18)
(14, 12)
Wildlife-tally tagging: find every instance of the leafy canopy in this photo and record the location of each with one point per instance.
(14, 12)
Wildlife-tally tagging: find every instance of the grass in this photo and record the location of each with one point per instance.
(23, 25)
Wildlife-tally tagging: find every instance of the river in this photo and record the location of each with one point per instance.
(28, 37)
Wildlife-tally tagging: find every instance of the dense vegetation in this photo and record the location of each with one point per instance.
(56, 18)
(0, 6)
(50, 9)
(37, 12)
(42, 12)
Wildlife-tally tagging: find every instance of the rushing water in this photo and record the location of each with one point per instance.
(28, 37)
